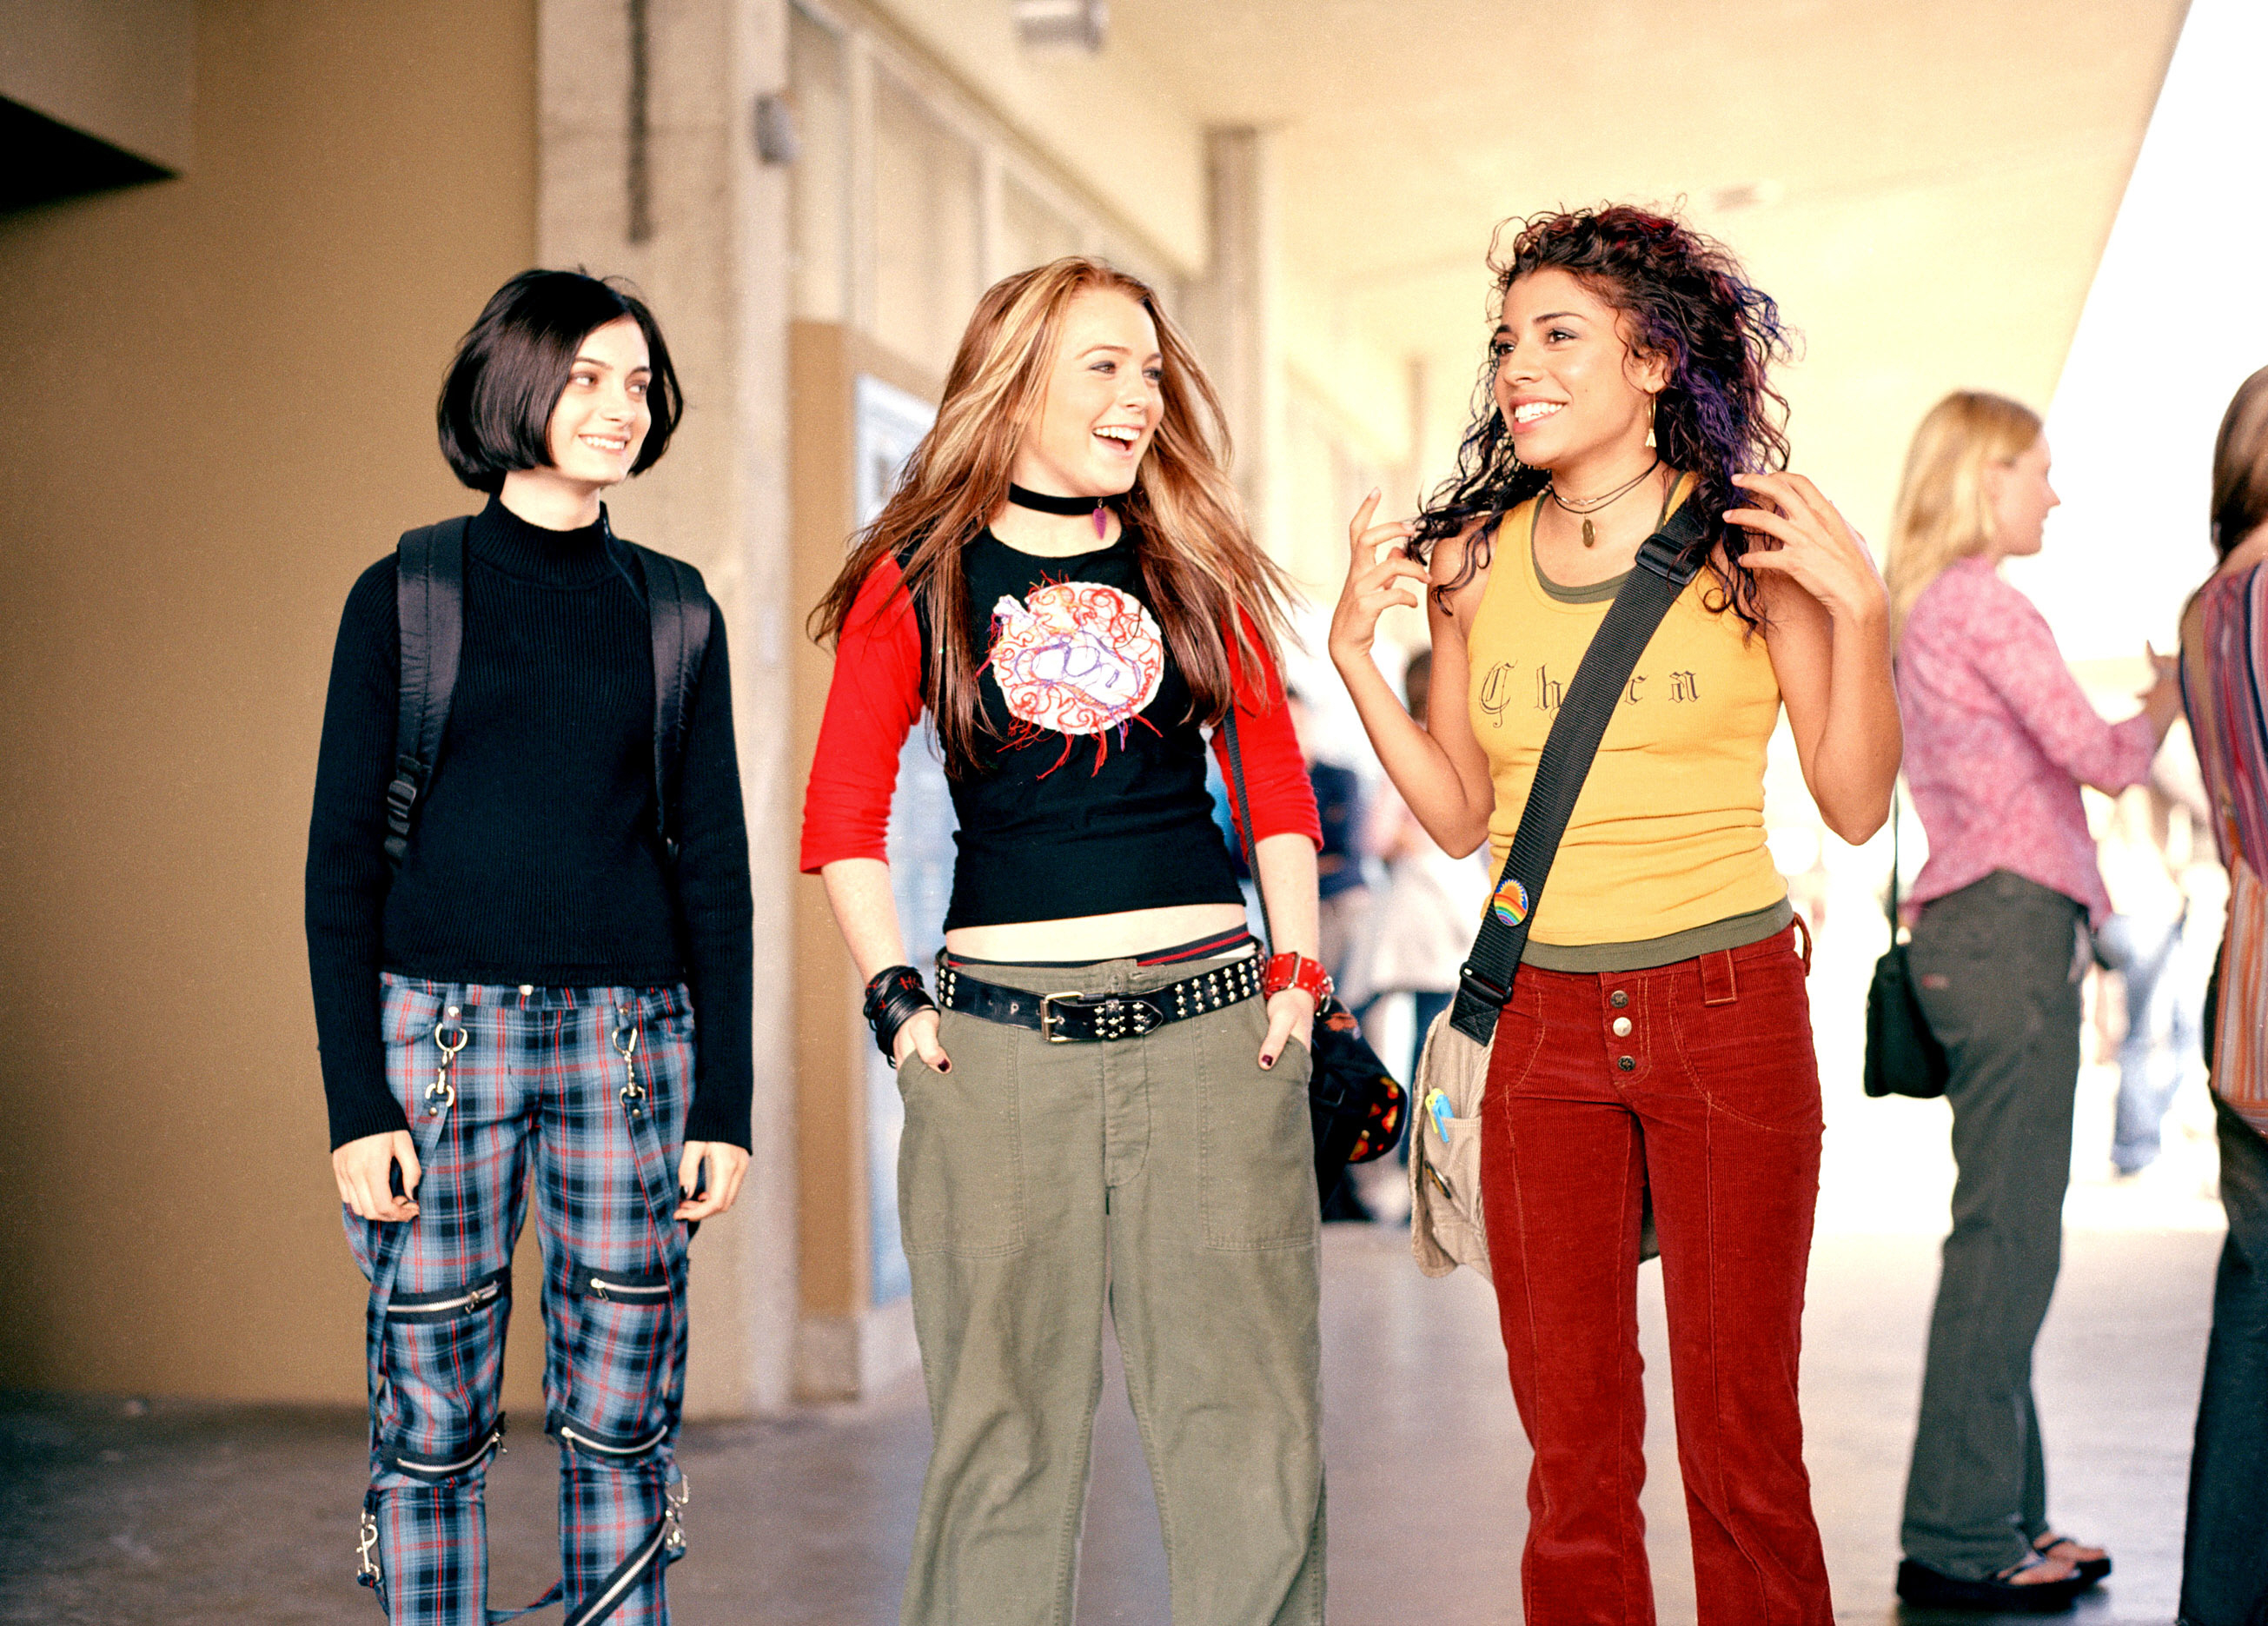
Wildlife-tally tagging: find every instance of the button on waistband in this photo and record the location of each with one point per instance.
(1618, 999)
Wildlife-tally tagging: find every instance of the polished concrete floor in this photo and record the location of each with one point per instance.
(127, 1514)
(175, 1513)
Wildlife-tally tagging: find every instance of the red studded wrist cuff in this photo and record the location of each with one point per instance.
(1289, 970)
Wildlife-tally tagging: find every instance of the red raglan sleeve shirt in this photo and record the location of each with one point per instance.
(875, 701)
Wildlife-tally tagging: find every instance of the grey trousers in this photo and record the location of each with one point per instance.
(1167, 1180)
(1998, 976)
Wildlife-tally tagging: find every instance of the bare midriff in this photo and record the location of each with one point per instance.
(1123, 936)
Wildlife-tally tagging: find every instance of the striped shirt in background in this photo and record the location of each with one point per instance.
(2225, 686)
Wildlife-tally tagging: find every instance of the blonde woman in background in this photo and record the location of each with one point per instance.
(2225, 677)
(1999, 738)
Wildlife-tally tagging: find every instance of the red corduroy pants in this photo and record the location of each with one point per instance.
(1699, 1081)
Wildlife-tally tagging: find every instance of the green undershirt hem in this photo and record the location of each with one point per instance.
(1732, 931)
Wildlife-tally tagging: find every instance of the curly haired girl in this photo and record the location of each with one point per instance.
(1658, 1037)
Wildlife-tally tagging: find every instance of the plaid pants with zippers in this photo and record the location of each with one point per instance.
(586, 1088)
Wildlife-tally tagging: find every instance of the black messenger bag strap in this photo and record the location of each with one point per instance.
(429, 602)
(1666, 561)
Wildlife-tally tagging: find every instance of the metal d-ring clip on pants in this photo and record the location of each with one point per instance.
(586, 1089)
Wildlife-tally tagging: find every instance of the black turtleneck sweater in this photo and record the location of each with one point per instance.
(533, 858)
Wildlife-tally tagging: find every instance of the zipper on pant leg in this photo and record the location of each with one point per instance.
(624, 1286)
(608, 1446)
(450, 1303)
(436, 1469)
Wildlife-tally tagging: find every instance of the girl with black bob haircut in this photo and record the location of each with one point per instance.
(1657, 1038)
(510, 939)
(513, 367)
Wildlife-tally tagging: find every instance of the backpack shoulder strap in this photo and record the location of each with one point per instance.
(1666, 561)
(429, 602)
(678, 611)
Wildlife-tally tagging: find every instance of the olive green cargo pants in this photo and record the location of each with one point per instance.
(1171, 1178)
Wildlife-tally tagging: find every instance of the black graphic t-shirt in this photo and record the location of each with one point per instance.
(1093, 797)
(1090, 795)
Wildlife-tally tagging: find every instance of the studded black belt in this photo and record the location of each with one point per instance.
(1073, 1017)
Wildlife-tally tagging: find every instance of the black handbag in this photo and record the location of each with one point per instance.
(1902, 1056)
(1354, 1102)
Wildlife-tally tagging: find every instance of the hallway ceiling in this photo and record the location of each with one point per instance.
(1925, 185)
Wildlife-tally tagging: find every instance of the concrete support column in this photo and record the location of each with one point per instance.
(647, 167)
(1233, 317)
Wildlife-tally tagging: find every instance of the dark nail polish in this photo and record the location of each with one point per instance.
(945, 1067)
(1268, 1061)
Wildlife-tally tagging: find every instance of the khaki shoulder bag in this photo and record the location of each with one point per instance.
(1445, 1224)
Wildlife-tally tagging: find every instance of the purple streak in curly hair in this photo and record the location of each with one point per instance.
(1682, 297)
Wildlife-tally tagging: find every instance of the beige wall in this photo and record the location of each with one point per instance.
(215, 413)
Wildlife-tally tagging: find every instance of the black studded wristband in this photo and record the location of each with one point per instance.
(893, 995)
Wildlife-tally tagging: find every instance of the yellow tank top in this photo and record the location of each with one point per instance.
(1669, 833)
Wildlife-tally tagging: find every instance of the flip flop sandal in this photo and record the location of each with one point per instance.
(1996, 1594)
(2090, 1570)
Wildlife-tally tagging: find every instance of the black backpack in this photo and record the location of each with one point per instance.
(430, 603)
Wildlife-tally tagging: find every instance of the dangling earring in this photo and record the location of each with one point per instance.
(1649, 402)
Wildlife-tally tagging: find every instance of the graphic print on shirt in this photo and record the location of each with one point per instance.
(1501, 689)
(1076, 658)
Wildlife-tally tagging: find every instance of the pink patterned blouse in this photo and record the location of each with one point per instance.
(2000, 737)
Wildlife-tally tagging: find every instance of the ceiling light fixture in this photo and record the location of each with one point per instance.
(1747, 195)
(1061, 24)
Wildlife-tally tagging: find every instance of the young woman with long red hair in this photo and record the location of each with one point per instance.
(1658, 1036)
(1110, 1110)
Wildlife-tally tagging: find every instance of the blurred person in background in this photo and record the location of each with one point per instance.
(1342, 889)
(1423, 927)
(515, 1003)
(2150, 943)
(1658, 1036)
(2000, 737)
(2224, 677)
(1063, 582)
(1343, 903)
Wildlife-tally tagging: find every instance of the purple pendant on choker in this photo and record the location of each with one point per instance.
(1043, 502)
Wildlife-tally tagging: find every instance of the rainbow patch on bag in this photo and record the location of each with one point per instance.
(1510, 903)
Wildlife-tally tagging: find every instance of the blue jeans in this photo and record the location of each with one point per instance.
(2225, 1552)
(2163, 991)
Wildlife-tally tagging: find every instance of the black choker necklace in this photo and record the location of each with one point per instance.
(1046, 504)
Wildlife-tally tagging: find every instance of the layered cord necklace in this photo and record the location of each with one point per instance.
(1046, 504)
(1583, 507)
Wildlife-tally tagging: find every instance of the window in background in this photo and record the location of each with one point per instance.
(1135, 263)
(819, 183)
(1326, 474)
(926, 247)
(1032, 231)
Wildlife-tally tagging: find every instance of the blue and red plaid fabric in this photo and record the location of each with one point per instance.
(541, 1086)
